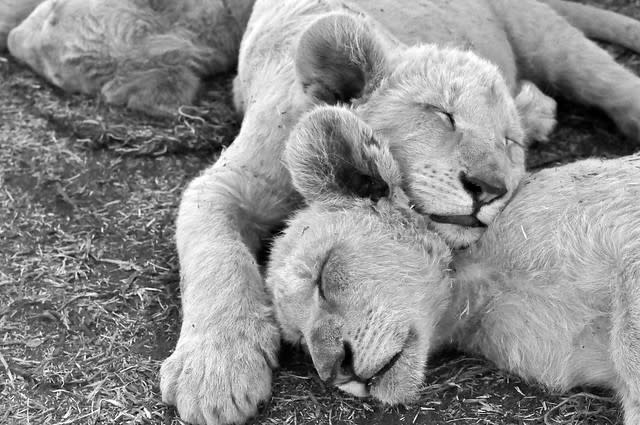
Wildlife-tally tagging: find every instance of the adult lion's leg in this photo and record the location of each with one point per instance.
(557, 56)
(221, 368)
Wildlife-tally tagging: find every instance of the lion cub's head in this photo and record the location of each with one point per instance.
(448, 115)
(357, 275)
(146, 54)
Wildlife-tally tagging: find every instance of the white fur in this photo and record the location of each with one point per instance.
(550, 292)
(147, 55)
(227, 211)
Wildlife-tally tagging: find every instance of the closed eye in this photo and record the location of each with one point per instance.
(320, 280)
(446, 117)
(508, 142)
(515, 150)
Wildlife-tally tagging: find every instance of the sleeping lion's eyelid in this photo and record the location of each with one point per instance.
(319, 279)
(444, 113)
(318, 284)
(451, 120)
(510, 140)
(320, 290)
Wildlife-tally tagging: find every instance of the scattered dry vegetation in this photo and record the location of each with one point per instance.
(89, 299)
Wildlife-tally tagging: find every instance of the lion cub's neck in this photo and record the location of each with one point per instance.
(476, 287)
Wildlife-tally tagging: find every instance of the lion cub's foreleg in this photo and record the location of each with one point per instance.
(557, 56)
(221, 368)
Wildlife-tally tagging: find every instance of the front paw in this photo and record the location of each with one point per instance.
(216, 378)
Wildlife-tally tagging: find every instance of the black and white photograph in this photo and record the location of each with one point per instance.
(331, 212)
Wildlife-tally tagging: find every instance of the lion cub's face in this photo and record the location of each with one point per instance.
(68, 42)
(455, 131)
(354, 275)
(360, 298)
(447, 114)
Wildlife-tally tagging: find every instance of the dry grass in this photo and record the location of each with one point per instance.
(89, 302)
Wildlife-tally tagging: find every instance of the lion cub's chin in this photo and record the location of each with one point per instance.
(457, 236)
(355, 388)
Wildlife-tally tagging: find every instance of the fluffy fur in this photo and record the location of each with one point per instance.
(151, 54)
(447, 115)
(12, 12)
(354, 220)
(146, 54)
(550, 292)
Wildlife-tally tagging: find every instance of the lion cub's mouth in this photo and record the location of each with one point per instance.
(460, 220)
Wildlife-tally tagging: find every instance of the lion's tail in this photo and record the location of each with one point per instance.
(600, 24)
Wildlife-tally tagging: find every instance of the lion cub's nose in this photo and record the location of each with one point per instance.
(332, 356)
(341, 369)
(484, 187)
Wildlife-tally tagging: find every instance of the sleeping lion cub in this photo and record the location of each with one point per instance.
(456, 131)
(449, 116)
(551, 291)
(150, 55)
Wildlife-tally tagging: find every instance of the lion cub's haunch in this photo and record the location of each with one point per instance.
(550, 292)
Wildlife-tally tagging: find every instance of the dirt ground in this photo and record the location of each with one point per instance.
(89, 296)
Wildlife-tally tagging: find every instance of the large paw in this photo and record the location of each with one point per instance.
(216, 379)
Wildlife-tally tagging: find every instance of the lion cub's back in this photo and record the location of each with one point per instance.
(570, 217)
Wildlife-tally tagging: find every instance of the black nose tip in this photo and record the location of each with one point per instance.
(343, 370)
(346, 366)
(484, 188)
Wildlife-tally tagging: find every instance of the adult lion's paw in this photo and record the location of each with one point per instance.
(215, 380)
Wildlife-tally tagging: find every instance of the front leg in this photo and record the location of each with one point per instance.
(221, 368)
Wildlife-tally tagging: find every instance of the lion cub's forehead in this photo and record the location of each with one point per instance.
(428, 73)
(66, 11)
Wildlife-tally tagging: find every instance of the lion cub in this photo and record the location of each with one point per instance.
(334, 272)
(147, 55)
(551, 291)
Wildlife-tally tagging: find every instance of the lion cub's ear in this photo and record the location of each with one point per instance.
(332, 155)
(338, 58)
(537, 112)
